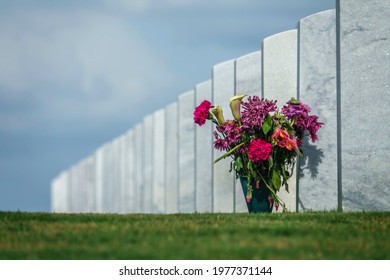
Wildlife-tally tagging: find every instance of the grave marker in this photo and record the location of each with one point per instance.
(317, 185)
(186, 103)
(204, 153)
(280, 83)
(224, 182)
(364, 91)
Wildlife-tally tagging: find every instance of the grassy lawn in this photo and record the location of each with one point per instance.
(195, 236)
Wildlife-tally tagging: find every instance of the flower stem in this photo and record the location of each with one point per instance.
(277, 198)
(229, 152)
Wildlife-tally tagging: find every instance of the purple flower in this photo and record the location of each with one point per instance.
(255, 111)
(233, 133)
(294, 109)
(220, 144)
(312, 125)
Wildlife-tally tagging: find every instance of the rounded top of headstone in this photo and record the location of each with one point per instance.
(281, 35)
(224, 64)
(319, 15)
(249, 56)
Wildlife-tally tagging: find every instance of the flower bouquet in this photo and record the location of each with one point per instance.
(262, 141)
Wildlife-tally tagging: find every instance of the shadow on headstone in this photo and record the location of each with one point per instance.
(311, 160)
(309, 165)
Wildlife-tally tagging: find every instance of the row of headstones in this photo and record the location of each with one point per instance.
(336, 61)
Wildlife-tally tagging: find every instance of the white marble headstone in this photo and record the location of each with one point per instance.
(99, 183)
(129, 173)
(364, 89)
(73, 189)
(186, 106)
(204, 153)
(115, 177)
(106, 194)
(139, 163)
(280, 83)
(148, 163)
(248, 81)
(59, 193)
(159, 162)
(223, 180)
(317, 185)
(121, 173)
(89, 184)
(248, 74)
(172, 158)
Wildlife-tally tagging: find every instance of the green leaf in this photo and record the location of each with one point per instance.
(294, 101)
(270, 162)
(276, 182)
(267, 124)
(238, 164)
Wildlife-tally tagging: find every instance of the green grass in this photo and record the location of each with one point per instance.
(328, 235)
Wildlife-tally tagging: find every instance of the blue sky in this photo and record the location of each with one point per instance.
(76, 74)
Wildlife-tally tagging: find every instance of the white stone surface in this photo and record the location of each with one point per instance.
(109, 188)
(73, 189)
(121, 173)
(59, 193)
(280, 83)
(186, 106)
(172, 156)
(248, 74)
(223, 180)
(88, 164)
(248, 81)
(112, 186)
(364, 79)
(317, 185)
(148, 163)
(99, 183)
(115, 203)
(106, 178)
(139, 164)
(204, 153)
(122, 163)
(129, 173)
(159, 162)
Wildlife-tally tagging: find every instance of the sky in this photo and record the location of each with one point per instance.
(76, 74)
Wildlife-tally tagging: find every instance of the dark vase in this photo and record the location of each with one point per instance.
(259, 202)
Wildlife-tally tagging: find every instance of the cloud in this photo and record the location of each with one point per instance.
(75, 64)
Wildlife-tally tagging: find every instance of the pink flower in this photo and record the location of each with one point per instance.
(259, 150)
(201, 113)
(282, 139)
(291, 144)
(280, 135)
